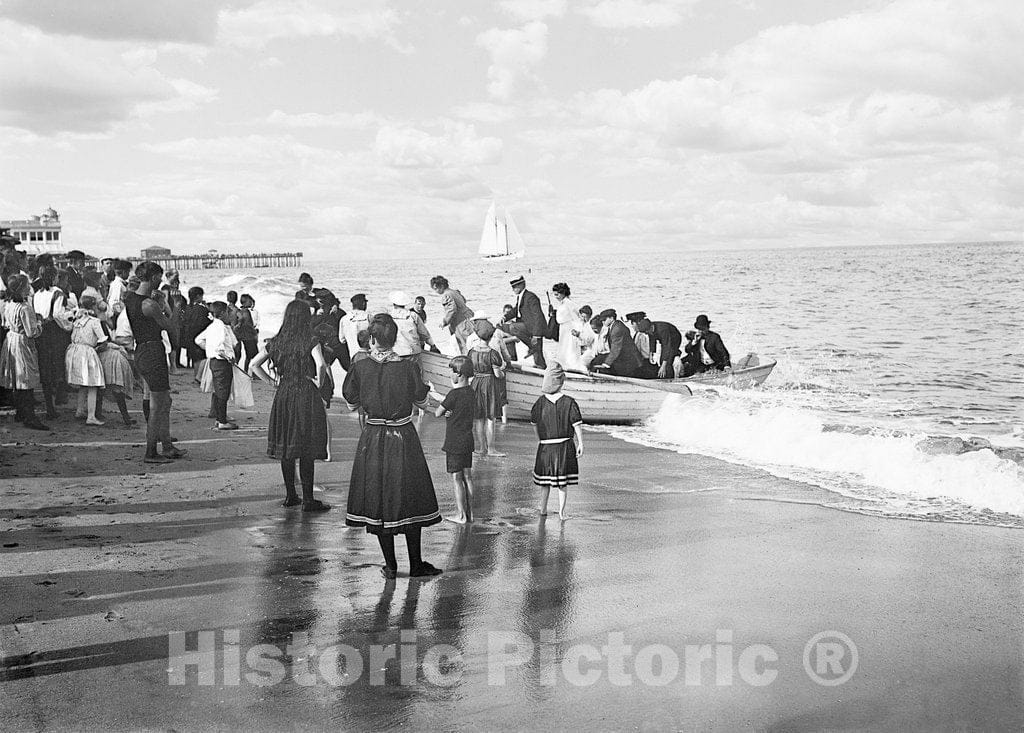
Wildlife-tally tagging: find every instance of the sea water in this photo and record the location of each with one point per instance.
(880, 350)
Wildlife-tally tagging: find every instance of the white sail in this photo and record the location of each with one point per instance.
(500, 238)
(516, 248)
(488, 242)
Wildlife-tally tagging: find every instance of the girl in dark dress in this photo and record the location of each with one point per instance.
(558, 421)
(488, 368)
(298, 420)
(391, 491)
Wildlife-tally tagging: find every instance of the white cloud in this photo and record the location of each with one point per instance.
(485, 112)
(342, 120)
(527, 10)
(180, 21)
(457, 145)
(81, 85)
(622, 14)
(515, 52)
(257, 25)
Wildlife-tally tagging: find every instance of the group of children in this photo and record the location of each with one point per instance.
(556, 416)
(54, 340)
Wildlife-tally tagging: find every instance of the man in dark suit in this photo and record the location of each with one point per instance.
(623, 358)
(666, 337)
(76, 264)
(528, 324)
(710, 344)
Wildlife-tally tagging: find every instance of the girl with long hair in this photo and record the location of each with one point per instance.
(298, 419)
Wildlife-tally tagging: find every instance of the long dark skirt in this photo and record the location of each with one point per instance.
(298, 422)
(391, 490)
(50, 346)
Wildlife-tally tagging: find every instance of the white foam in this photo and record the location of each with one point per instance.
(761, 430)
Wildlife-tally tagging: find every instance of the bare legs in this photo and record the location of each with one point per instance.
(483, 430)
(543, 508)
(87, 405)
(158, 428)
(462, 484)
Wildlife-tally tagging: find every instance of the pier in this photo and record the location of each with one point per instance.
(215, 261)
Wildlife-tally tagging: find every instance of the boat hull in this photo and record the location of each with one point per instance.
(602, 400)
(736, 378)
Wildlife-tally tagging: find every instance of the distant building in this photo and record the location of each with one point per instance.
(155, 253)
(37, 234)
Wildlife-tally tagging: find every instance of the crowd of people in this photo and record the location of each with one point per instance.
(115, 330)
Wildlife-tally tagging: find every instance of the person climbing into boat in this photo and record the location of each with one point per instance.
(664, 341)
(457, 315)
(529, 323)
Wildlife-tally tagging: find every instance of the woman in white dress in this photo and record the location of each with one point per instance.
(568, 318)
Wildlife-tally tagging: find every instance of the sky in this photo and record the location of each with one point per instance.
(379, 128)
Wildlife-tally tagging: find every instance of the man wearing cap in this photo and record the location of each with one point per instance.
(665, 342)
(529, 323)
(413, 335)
(713, 354)
(351, 324)
(623, 359)
(76, 263)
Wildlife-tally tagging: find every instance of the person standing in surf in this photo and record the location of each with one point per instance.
(390, 491)
(558, 421)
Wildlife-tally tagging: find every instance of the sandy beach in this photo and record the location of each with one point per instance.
(717, 592)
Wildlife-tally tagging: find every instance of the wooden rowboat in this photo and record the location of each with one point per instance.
(602, 399)
(747, 372)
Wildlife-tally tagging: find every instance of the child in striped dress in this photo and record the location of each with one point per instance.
(559, 422)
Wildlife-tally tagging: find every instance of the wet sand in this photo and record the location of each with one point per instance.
(681, 558)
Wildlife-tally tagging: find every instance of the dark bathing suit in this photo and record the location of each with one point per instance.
(150, 357)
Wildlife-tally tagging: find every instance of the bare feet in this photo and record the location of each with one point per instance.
(563, 516)
(457, 519)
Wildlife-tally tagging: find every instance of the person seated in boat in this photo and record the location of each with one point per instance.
(623, 359)
(584, 334)
(594, 330)
(508, 314)
(706, 351)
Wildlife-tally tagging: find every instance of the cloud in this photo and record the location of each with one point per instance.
(623, 14)
(265, 21)
(527, 10)
(514, 54)
(175, 21)
(81, 85)
(342, 120)
(908, 77)
(457, 145)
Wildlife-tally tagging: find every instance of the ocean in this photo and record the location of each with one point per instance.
(883, 352)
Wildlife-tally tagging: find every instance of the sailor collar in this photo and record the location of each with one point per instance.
(384, 356)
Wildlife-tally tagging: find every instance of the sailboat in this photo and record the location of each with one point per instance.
(500, 238)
